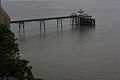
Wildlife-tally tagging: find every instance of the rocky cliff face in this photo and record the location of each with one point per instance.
(4, 17)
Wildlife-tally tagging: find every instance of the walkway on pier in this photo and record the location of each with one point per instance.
(41, 21)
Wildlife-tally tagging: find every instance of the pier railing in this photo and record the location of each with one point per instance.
(42, 19)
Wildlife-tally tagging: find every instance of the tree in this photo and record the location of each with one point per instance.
(11, 65)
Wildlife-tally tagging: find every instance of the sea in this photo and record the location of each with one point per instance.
(73, 53)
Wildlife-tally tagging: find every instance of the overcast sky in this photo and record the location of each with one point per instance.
(68, 0)
(31, 0)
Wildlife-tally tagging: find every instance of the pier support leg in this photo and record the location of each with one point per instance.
(73, 21)
(21, 26)
(21, 30)
(42, 24)
(60, 22)
(57, 24)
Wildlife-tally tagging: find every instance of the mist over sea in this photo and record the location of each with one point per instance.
(73, 53)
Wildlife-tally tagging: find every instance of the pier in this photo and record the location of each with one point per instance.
(80, 18)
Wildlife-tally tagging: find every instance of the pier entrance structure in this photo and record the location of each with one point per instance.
(80, 18)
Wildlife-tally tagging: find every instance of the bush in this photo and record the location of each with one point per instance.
(11, 65)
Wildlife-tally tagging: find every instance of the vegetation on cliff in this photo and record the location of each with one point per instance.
(11, 65)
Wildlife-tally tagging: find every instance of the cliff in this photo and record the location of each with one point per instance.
(4, 17)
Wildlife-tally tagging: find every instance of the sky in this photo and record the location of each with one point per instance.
(57, 0)
(31, 0)
(68, 0)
